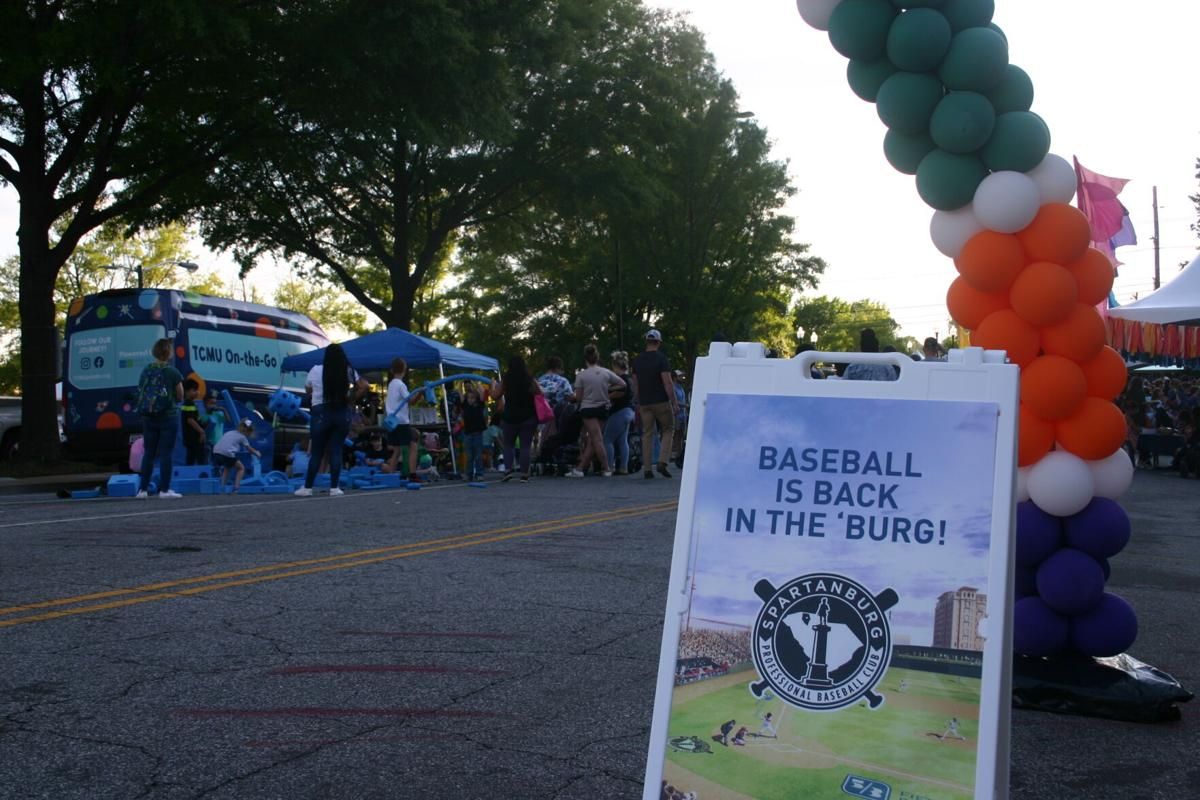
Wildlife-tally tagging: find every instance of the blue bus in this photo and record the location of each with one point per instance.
(222, 344)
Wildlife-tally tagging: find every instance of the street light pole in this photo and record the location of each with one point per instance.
(139, 268)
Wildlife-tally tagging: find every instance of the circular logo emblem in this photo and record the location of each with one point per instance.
(821, 642)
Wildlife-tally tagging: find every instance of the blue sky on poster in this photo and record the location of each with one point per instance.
(952, 447)
(1112, 81)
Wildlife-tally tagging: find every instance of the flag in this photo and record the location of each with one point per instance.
(1097, 198)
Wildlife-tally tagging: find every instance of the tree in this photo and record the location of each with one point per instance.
(672, 221)
(457, 111)
(325, 302)
(102, 106)
(833, 324)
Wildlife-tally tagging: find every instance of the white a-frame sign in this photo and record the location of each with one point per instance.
(839, 616)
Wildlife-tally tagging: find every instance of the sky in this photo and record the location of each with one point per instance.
(727, 565)
(1111, 80)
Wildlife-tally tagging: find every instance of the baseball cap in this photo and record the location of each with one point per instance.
(247, 423)
(653, 335)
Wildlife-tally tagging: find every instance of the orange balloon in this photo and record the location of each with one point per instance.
(1004, 330)
(201, 385)
(969, 306)
(1059, 234)
(1096, 431)
(990, 261)
(1106, 374)
(1093, 274)
(1043, 293)
(1035, 437)
(1053, 387)
(1079, 337)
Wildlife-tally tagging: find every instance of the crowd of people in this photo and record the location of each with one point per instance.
(720, 647)
(1165, 407)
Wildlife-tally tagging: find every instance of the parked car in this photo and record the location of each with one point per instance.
(10, 424)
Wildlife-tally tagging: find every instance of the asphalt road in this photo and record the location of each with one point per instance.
(449, 643)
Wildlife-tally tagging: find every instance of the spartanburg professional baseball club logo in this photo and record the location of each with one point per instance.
(822, 642)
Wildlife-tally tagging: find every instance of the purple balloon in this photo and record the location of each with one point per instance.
(1107, 630)
(1101, 530)
(1025, 582)
(1071, 582)
(1038, 534)
(1039, 630)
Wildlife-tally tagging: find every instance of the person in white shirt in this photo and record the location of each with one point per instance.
(225, 453)
(395, 405)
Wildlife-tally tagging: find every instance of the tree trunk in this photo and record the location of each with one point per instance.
(39, 359)
(399, 315)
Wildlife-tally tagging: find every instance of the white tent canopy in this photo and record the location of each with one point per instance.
(1178, 302)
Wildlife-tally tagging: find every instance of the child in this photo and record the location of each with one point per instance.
(474, 418)
(225, 454)
(374, 453)
(195, 438)
(427, 471)
(214, 421)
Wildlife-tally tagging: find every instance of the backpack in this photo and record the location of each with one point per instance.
(154, 396)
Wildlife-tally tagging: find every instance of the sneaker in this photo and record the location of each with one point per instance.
(508, 476)
(620, 472)
(142, 495)
(662, 470)
(336, 493)
(169, 495)
(648, 474)
(524, 479)
(575, 473)
(608, 473)
(303, 491)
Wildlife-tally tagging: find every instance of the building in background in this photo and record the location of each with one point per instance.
(956, 619)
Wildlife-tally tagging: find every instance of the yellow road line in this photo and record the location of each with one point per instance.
(148, 592)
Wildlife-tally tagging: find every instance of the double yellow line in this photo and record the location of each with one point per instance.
(187, 587)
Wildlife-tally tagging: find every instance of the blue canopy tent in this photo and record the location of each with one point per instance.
(375, 351)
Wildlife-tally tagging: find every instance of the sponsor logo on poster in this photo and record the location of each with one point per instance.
(865, 787)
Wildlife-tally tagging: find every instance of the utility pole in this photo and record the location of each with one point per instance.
(1156, 276)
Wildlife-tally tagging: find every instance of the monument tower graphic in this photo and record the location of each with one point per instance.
(817, 675)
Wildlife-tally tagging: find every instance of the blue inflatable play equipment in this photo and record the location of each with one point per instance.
(389, 422)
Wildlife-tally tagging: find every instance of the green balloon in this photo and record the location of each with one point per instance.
(963, 14)
(947, 181)
(998, 30)
(975, 61)
(904, 151)
(917, 3)
(867, 76)
(907, 99)
(858, 29)
(1019, 143)
(1014, 93)
(962, 122)
(918, 40)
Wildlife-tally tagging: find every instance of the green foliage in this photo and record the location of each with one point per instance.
(833, 324)
(325, 302)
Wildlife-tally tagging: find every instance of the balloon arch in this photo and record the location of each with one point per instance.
(958, 118)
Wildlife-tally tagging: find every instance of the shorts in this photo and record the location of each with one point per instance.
(599, 412)
(401, 435)
(223, 461)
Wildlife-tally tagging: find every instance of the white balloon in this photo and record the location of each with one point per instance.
(1023, 484)
(1112, 475)
(1061, 484)
(1055, 179)
(950, 230)
(817, 12)
(1007, 201)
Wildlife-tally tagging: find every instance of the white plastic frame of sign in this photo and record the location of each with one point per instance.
(971, 374)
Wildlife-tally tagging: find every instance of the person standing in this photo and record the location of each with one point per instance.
(931, 350)
(620, 415)
(159, 393)
(193, 419)
(595, 388)
(333, 384)
(868, 343)
(395, 405)
(554, 384)
(655, 390)
(474, 422)
(518, 416)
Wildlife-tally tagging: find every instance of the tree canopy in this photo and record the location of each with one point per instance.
(834, 324)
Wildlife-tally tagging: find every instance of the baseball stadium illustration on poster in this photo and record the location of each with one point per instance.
(831, 628)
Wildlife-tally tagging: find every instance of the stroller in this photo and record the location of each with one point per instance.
(560, 450)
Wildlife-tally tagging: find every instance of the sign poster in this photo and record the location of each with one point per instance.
(831, 642)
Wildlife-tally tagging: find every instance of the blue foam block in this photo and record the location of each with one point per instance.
(195, 472)
(412, 487)
(123, 485)
(391, 480)
(368, 487)
(477, 485)
(85, 494)
(322, 481)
